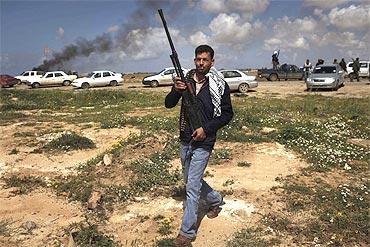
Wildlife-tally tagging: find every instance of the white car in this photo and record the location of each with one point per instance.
(52, 78)
(162, 78)
(238, 80)
(326, 76)
(98, 78)
(29, 75)
(364, 69)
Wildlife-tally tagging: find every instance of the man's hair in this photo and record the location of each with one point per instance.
(204, 48)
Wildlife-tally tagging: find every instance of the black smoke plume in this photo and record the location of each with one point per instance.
(139, 19)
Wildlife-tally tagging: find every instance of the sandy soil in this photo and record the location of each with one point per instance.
(246, 187)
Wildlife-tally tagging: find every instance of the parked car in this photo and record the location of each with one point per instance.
(98, 78)
(285, 71)
(52, 78)
(29, 75)
(238, 80)
(8, 81)
(364, 69)
(326, 76)
(162, 78)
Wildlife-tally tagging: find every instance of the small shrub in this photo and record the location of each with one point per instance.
(90, 236)
(13, 151)
(68, 142)
(218, 156)
(252, 237)
(228, 182)
(4, 231)
(244, 164)
(165, 226)
(25, 184)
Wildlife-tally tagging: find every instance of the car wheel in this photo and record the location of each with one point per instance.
(35, 85)
(273, 77)
(154, 83)
(66, 83)
(85, 85)
(243, 88)
(113, 83)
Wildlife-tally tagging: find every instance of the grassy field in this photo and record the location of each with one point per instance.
(327, 203)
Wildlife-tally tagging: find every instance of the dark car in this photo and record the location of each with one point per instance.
(285, 71)
(8, 81)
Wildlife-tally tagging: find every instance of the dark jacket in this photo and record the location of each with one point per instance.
(356, 66)
(210, 124)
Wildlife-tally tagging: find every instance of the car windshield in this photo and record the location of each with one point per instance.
(161, 71)
(324, 70)
(90, 75)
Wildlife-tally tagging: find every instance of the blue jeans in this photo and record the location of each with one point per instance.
(194, 162)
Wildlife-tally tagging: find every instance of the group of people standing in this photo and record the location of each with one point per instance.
(307, 67)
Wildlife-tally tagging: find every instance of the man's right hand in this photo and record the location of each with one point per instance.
(179, 85)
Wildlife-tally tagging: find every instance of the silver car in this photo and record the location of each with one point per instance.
(326, 76)
(238, 80)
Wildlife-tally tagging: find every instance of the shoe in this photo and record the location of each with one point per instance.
(213, 212)
(182, 241)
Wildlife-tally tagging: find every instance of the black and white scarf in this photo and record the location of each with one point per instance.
(216, 88)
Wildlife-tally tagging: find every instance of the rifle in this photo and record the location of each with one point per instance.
(190, 101)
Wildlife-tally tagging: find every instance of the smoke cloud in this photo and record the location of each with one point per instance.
(139, 20)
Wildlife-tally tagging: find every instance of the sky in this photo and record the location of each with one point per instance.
(127, 36)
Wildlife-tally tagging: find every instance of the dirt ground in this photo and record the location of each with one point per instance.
(51, 214)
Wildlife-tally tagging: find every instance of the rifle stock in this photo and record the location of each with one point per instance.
(190, 102)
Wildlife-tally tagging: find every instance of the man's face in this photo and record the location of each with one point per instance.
(203, 62)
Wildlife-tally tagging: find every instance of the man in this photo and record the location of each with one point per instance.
(343, 65)
(319, 62)
(307, 68)
(213, 97)
(275, 60)
(356, 69)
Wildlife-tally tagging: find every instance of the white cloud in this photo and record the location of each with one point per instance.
(346, 40)
(291, 34)
(326, 4)
(113, 29)
(213, 6)
(230, 29)
(353, 17)
(60, 33)
(242, 7)
(199, 38)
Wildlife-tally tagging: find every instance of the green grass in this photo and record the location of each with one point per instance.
(253, 237)
(317, 128)
(149, 174)
(25, 184)
(88, 235)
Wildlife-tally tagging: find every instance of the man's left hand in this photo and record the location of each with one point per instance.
(199, 134)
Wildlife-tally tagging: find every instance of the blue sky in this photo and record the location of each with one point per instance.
(127, 36)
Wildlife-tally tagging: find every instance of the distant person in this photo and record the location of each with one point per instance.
(319, 62)
(356, 69)
(307, 68)
(335, 61)
(343, 65)
(275, 60)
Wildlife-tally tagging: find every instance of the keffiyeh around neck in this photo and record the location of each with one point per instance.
(216, 88)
